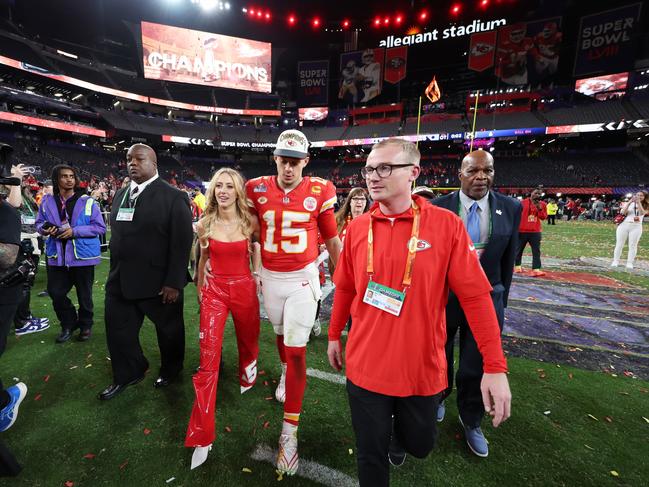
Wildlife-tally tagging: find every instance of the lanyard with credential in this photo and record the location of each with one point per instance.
(127, 196)
(412, 249)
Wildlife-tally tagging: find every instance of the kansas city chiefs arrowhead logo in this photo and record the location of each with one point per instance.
(422, 245)
(480, 49)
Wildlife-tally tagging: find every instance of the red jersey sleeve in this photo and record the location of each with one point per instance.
(326, 219)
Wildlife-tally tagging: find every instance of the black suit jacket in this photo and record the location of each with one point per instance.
(151, 251)
(498, 257)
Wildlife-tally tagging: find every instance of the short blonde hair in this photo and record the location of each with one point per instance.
(410, 151)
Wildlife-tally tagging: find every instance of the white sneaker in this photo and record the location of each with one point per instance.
(615, 263)
(317, 328)
(287, 458)
(280, 392)
(200, 455)
(629, 266)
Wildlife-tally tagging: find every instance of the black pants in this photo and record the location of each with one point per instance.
(59, 283)
(8, 303)
(551, 219)
(124, 319)
(534, 239)
(24, 312)
(470, 370)
(372, 419)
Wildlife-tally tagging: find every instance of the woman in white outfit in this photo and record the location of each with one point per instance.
(634, 210)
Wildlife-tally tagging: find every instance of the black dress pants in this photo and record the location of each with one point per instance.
(373, 416)
(470, 367)
(534, 239)
(124, 319)
(60, 281)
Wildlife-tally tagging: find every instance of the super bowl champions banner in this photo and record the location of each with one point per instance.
(605, 43)
(396, 64)
(313, 83)
(528, 52)
(361, 75)
(191, 56)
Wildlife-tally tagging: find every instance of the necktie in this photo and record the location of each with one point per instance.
(134, 193)
(473, 223)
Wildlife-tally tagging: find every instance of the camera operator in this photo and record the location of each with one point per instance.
(11, 397)
(72, 222)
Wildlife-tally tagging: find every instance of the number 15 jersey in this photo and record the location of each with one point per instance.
(290, 221)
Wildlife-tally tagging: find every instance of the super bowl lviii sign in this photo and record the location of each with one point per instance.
(191, 56)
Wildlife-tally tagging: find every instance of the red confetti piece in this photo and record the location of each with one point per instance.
(266, 424)
(628, 373)
(123, 465)
(69, 483)
(228, 429)
(46, 378)
(146, 431)
(37, 397)
(269, 398)
(261, 372)
(89, 456)
(266, 383)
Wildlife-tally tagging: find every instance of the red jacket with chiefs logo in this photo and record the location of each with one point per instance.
(290, 221)
(404, 355)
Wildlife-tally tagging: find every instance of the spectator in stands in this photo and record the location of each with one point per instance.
(72, 221)
(396, 364)
(634, 212)
(151, 239)
(552, 211)
(534, 211)
(492, 221)
(356, 203)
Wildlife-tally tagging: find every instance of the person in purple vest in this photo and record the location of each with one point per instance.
(72, 222)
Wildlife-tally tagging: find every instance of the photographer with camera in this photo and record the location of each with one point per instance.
(72, 222)
(10, 271)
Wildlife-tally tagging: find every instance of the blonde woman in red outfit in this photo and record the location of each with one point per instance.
(634, 212)
(225, 234)
(356, 203)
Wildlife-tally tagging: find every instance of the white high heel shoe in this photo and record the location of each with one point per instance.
(200, 455)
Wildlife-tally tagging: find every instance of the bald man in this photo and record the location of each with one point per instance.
(491, 220)
(151, 238)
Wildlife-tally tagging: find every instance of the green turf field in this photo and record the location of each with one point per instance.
(569, 426)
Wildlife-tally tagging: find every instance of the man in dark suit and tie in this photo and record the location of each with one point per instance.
(151, 225)
(491, 220)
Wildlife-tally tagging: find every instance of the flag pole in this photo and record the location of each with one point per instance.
(418, 120)
(475, 115)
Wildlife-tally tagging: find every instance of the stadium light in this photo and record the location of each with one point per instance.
(315, 22)
(398, 19)
(377, 22)
(456, 8)
(484, 3)
(345, 24)
(292, 19)
(423, 16)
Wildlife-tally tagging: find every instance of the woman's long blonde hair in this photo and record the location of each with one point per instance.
(211, 213)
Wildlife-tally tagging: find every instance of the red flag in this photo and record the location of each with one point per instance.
(396, 61)
(482, 50)
(433, 93)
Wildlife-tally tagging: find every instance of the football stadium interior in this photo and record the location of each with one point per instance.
(556, 90)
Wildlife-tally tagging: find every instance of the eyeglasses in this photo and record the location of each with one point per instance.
(383, 170)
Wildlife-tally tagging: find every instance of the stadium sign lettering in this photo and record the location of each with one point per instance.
(448, 33)
(207, 66)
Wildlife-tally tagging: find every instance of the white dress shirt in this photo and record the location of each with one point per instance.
(140, 187)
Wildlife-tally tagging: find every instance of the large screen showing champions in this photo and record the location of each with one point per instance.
(191, 56)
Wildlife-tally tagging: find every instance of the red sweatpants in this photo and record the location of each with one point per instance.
(237, 295)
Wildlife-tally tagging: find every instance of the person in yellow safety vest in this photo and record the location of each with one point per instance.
(552, 211)
(200, 200)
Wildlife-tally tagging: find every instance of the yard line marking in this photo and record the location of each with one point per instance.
(328, 376)
(308, 469)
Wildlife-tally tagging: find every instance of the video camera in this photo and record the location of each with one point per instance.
(5, 166)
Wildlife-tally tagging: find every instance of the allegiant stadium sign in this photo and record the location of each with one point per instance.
(448, 33)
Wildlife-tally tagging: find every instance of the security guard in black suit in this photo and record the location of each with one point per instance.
(151, 238)
(492, 222)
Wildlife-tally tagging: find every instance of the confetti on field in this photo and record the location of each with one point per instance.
(170, 480)
(89, 365)
(73, 367)
(590, 447)
(608, 419)
(624, 393)
(646, 419)
(266, 383)
(614, 473)
(37, 397)
(262, 372)
(266, 424)
(89, 456)
(570, 376)
(228, 429)
(269, 398)
(146, 431)
(593, 417)
(69, 483)
(123, 465)
(547, 413)
(46, 378)
(246, 470)
(350, 451)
